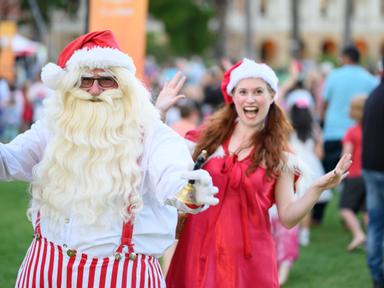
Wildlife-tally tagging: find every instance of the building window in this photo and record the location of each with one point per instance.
(268, 51)
(362, 46)
(329, 52)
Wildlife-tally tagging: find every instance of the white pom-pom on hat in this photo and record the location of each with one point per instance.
(52, 75)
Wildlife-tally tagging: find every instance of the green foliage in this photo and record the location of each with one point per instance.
(186, 24)
(162, 51)
(46, 8)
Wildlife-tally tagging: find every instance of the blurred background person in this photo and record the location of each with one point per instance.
(373, 173)
(189, 117)
(36, 93)
(352, 198)
(27, 114)
(286, 245)
(341, 85)
(11, 117)
(306, 143)
(4, 97)
(212, 90)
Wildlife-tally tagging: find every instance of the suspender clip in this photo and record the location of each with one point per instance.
(71, 252)
(117, 256)
(132, 256)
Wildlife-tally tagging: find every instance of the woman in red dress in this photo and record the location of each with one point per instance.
(230, 244)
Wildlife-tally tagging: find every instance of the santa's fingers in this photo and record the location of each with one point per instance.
(180, 83)
(177, 81)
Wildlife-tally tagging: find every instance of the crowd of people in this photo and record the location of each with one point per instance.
(21, 104)
(109, 178)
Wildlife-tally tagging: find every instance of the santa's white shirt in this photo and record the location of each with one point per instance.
(164, 158)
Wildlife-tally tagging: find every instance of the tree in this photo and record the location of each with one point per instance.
(295, 33)
(46, 7)
(186, 24)
(221, 7)
(38, 13)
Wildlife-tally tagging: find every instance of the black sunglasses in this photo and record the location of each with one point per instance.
(104, 82)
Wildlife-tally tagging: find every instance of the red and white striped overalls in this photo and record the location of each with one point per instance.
(49, 265)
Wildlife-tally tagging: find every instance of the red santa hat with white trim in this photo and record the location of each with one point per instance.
(243, 69)
(97, 49)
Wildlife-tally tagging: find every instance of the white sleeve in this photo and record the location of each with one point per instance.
(168, 157)
(190, 145)
(20, 155)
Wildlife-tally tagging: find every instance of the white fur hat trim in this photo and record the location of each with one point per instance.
(251, 69)
(52, 74)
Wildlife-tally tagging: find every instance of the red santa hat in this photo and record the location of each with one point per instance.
(97, 49)
(247, 69)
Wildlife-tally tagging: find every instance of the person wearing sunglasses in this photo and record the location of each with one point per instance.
(106, 175)
(104, 82)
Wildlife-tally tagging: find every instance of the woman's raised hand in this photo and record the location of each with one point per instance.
(334, 177)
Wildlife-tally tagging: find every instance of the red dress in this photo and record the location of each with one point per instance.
(230, 244)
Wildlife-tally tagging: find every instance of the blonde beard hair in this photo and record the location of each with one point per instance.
(91, 165)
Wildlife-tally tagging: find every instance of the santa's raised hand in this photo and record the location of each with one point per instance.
(169, 95)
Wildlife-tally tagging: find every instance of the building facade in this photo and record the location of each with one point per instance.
(323, 26)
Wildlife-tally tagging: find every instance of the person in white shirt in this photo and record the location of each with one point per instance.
(103, 168)
(37, 92)
(4, 99)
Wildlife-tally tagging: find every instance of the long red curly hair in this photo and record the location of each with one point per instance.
(270, 142)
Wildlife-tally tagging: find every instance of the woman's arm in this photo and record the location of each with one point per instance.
(292, 210)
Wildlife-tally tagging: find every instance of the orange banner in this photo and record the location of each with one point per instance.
(126, 18)
(7, 57)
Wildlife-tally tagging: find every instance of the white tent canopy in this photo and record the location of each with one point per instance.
(21, 45)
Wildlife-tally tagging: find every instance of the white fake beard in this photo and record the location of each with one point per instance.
(91, 165)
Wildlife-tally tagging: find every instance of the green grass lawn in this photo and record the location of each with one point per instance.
(324, 264)
(16, 230)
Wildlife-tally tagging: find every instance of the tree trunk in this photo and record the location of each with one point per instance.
(248, 31)
(295, 34)
(221, 10)
(347, 38)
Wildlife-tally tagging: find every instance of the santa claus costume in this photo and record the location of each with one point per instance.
(101, 171)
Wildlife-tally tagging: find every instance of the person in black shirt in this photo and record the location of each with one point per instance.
(373, 173)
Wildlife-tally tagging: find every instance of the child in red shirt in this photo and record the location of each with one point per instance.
(352, 199)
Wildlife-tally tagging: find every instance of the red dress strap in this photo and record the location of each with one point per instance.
(237, 172)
